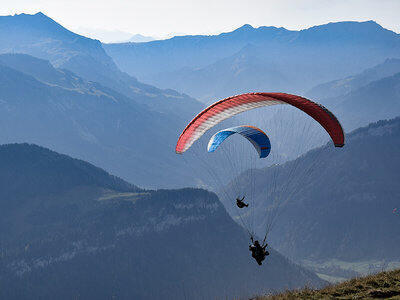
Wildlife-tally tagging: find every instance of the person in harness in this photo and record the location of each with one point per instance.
(258, 251)
(240, 203)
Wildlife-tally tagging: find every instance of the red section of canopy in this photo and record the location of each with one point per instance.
(322, 115)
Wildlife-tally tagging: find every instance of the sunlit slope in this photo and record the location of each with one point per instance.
(384, 285)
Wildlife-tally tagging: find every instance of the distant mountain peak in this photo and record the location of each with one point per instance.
(245, 27)
(348, 25)
(138, 38)
(37, 16)
(36, 25)
(41, 14)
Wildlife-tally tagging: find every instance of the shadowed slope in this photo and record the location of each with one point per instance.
(69, 229)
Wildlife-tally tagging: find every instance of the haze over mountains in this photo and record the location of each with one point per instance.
(69, 229)
(66, 225)
(107, 132)
(147, 111)
(376, 101)
(340, 87)
(58, 109)
(40, 36)
(369, 96)
(257, 59)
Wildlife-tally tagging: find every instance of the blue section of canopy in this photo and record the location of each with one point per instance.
(256, 136)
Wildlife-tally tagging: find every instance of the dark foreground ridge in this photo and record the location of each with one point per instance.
(384, 285)
(69, 230)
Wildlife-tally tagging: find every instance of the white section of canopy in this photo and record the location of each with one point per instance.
(225, 114)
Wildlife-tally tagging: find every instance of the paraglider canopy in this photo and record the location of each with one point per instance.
(255, 136)
(233, 172)
(231, 106)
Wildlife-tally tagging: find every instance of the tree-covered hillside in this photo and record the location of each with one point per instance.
(70, 230)
(31, 171)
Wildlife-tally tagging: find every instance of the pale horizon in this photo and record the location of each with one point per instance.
(159, 19)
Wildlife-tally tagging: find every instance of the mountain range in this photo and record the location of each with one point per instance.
(375, 101)
(70, 230)
(132, 130)
(58, 109)
(42, 37)
(257, 59)
(343, 86)
(156, 113)
(366, 97)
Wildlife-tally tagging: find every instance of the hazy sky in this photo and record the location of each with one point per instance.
(161, 17)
